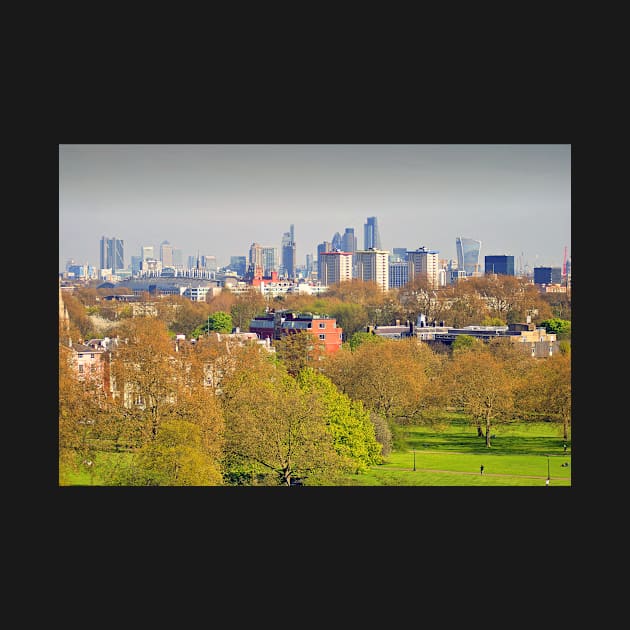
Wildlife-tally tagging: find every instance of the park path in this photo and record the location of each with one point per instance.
(467, 472)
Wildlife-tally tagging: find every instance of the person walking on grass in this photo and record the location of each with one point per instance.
(481, 469)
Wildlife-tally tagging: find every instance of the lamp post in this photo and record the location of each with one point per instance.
(548, 474)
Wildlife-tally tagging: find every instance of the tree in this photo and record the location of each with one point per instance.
(246, 307)
(298, 350)
(480, 384)
(175, 458)
(144, 372)
(363, 337)
(561, 327)
(220, 322)
(349, 424)
(272, 425)
(397, 379)
(464, 342)
(351, 317)
(546, 390)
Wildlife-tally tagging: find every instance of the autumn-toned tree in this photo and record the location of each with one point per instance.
(546, 390)
(397, 379)
(175, 458)
(559, 304)
(366, 293)
(349, 424)
(480, 384)
(273, 425)
(417, 297)
(299, 350)
(246, 307)
(466, 307)
(350, 317)
(79, 318)
(222, 302)
(81, 409)
(143, 370)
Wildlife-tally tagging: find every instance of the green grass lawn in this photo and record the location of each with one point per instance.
(451, 455)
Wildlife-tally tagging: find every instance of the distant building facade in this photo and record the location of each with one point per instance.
(500, 265)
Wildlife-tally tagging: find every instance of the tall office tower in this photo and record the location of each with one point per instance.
(468, 255)
(326, 246)
(209, 262)
(135, 264)
(349, 241)
(371, 235)
(373, 265)
(335, 267)
(288, 254)
(256, 256)
(238, 264)
(178, 258)
(148, 251)
(270, 260)
(398, 274)
(336, 241)
(112, 254)
(423, 264)
(503, 265)
(309, 264)
(166, 254)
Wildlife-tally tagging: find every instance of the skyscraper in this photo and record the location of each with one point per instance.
(371, 235)
(336, 241)
(349, 241)
(468, 254)
(288, 253)
(112, 253)
(166, 254)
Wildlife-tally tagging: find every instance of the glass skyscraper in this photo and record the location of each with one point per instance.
(371, 235)
(468, 255)
(112, 253)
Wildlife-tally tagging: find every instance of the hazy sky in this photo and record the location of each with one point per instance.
(219, 199)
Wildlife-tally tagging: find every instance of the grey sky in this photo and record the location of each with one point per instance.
(219, 199)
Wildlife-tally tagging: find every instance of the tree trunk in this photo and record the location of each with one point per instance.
(488, 427)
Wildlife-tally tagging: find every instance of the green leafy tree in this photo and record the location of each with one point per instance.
(363, 337)
(349, 423)
(464, 342)
(274, 426)
(561, 327)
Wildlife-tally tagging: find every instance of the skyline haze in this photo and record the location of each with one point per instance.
(219, 199)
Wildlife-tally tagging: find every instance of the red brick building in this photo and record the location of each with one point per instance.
(277, 324)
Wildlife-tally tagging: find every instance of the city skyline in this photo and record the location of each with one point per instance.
(219, 199)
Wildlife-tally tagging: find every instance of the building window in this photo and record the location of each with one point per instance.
(92, 356)
(80, 369)
(322, 337)
(322, 324)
